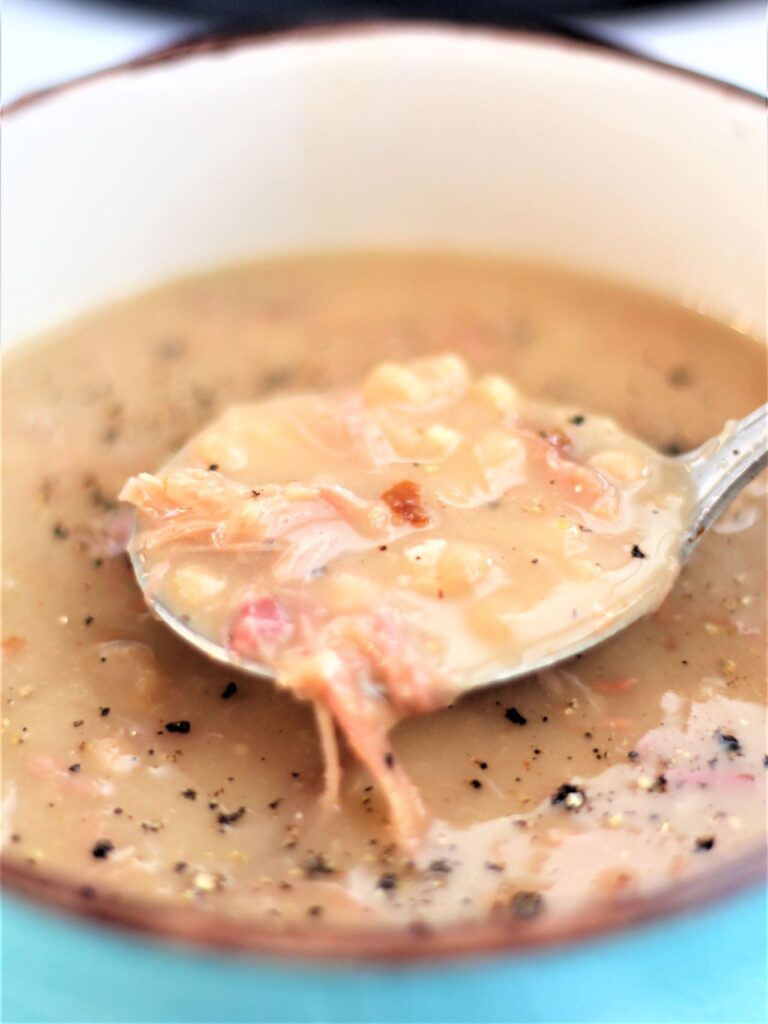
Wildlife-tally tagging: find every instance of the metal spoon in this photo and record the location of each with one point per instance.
(718, 469)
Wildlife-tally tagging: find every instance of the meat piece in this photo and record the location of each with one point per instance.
(365, 719)
(404, 499)
(203, 507)
(261, 630)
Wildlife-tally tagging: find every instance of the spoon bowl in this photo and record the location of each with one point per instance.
(718, 470)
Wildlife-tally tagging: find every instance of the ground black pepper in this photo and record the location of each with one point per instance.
(729, 741)
(229, 691)
(229, 819)
(704, 843)
(102, 849)
(570, 796)
(317, 864)
(513, 715)
(659, 784)
(181, 726)
(637, 552)
(526, 904)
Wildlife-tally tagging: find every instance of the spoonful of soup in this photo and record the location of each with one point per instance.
(383, 550)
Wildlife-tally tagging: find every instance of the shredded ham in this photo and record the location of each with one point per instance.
(201, 506)
(589, 488)
(360, 670)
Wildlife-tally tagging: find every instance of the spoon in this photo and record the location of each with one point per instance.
(718, 470)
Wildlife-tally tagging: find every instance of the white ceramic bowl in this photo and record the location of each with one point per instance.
(392, 137)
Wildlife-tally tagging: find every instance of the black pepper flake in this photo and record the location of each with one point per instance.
(213, 467)
(632, 755)
(179, 866)
(570, 796)
(74, 768)
(659, 784)
(492, 865)
(526, 904)
(229, 819)
(731, 744)
(274, 804)
(189, 794)
(482, 765)
(317, 864)
(180, 726)
(229, 691)
(388, 882)
(102, 849)
(88, 620)
(60, 532)
(704, 843)
(577, 420)
(382, 547)
(513, 715)
(637, 552)
(104, 712)
(439, 867)
(765, 760)
(389, 759)
(77, 723)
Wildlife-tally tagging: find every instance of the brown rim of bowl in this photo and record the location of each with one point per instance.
(386, 946)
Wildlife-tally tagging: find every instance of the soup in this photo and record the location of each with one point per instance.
(137, 768)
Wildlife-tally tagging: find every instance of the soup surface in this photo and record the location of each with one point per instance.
(133, 766)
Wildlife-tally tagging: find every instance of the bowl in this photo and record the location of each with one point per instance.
(393, 137)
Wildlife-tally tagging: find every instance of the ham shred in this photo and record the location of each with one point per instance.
(361, 670)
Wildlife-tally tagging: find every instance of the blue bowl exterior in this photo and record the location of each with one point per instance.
(705, 966)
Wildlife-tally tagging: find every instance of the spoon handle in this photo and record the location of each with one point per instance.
(722, 466)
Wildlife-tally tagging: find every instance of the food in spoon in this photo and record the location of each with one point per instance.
(137, 771)
(387, 547)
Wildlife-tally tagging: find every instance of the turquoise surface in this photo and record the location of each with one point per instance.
(707, 966)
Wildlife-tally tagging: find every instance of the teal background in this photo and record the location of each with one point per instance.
(706, 966)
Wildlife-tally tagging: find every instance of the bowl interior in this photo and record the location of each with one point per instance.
(396, 138)
(390, 138)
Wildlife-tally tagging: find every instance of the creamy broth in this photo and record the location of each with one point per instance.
(136, 767)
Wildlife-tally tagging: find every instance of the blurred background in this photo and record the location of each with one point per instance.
(45, 42)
